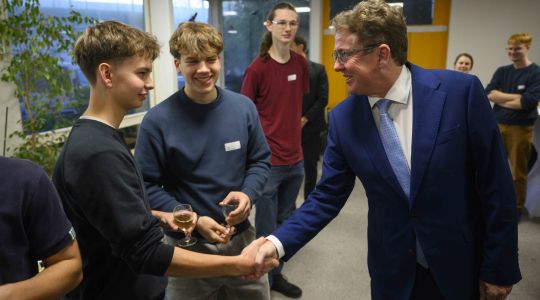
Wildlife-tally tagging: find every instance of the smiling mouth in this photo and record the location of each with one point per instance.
(205, 80)
(347, 77)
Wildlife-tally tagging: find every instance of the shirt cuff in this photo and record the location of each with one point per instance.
(277, 244)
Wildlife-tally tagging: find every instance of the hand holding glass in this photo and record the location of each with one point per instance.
(227, 209)
(183, 217)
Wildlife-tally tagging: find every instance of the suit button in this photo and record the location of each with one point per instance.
(411, 251)
(414, 216)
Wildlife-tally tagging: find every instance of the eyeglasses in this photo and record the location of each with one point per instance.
(283, 23)
(344, 55)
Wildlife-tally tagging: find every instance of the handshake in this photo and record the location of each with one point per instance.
(257, 259)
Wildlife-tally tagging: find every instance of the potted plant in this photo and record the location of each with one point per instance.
(29, 41)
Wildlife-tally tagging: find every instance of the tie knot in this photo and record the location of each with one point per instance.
(383, 105)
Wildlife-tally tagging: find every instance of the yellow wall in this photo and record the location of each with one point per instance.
(426, 49)
(336, 84)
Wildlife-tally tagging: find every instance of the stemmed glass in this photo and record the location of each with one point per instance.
(183, 217)
(227, 209)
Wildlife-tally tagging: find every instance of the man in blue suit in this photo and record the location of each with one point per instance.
(442, 218)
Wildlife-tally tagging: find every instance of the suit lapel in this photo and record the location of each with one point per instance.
(428, 104)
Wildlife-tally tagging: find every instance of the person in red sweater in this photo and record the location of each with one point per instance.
(276, 81)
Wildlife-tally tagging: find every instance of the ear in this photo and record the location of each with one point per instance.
(177, 65)
(268, 25)
(104, 75)
(385, 55)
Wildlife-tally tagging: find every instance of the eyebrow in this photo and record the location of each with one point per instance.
(144, 69)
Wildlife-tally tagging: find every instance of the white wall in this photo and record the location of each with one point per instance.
(482, 27)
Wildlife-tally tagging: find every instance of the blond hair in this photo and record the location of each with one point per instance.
(194, 38)
(112, 42)
(374, 22)
(520, 38)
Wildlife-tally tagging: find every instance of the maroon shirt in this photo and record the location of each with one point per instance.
(277, 91)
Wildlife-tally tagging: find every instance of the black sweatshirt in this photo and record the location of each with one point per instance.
(103, 195)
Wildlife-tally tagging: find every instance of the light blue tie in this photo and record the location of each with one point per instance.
(396, 157)
(392, 147)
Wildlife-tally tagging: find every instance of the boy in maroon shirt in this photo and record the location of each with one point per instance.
(276, 81)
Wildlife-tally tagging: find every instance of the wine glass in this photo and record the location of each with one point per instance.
(227, 209)
(183, 217)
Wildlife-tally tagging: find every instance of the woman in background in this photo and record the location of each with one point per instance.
(463, 63)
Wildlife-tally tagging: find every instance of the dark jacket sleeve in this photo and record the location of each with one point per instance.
(319, 90)
(499, 264)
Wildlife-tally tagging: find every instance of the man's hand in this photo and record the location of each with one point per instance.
(212, 231)
(267, 253)
(261, 257)
(167, 220)
(512, 104)
(244, 207)
(490, 291)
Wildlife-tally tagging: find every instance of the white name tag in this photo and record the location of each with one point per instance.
(291, 77)
(521, 87)
(232, 146)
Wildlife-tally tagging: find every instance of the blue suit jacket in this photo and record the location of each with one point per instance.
(463, 203)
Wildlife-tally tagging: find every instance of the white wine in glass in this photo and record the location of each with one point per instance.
(183, 217)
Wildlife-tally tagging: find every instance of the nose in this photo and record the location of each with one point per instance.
(203, 67)
(338, 66)
(149, 84)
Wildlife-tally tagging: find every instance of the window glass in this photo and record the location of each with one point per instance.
(186, 10)
(243, 30)
(417, 12)
(130, 135)
(126, 11)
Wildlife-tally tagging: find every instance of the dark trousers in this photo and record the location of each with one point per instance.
(425, 286)
(311, 145)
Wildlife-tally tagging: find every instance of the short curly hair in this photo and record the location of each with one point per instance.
(112, 42)
(374, 22)
(520, 38)
(195, 38)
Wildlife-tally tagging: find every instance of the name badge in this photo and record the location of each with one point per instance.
(291, 77)
(232, 146)
(521, 87)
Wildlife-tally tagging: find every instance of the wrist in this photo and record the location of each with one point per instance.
(238, 266)
(197, 223)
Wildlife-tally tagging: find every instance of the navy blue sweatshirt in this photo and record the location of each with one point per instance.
(524, 81)
(198, 153)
